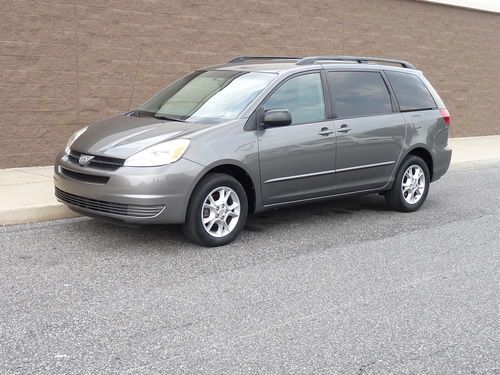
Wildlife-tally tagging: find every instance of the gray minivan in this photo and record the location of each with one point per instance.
(260, 133)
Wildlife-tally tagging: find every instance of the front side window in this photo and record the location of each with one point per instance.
(213, 96)
(411, 93)
(302, 96)
(359, 94)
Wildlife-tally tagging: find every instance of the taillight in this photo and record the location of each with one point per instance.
(445, 115)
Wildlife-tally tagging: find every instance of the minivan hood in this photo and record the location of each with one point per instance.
(122, 136)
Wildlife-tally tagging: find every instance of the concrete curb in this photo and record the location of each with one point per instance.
(27, 215)
(27, 194)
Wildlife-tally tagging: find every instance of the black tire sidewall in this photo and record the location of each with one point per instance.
(193, 227)
(398, 200)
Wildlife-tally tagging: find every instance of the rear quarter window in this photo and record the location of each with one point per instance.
(411, 93)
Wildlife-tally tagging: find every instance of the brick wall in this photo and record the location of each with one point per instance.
(64, 64)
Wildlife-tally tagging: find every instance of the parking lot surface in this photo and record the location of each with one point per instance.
(338, 287)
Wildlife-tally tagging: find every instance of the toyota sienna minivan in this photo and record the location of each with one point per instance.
(259, 133)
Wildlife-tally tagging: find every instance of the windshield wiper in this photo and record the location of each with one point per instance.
(140, 113)
(417, 109)
(163, 117)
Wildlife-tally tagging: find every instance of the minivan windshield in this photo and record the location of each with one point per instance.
(208, 97)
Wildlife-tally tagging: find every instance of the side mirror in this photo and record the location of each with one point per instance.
(276, 117)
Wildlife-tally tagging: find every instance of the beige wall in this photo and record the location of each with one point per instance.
(63, 65)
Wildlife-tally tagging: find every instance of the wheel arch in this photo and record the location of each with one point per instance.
(425, 154)
(240, 173)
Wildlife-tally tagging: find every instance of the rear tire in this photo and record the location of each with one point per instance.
(411, 185)
(217, 211)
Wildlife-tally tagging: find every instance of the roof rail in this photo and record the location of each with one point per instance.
(359, 59)
(245, 58)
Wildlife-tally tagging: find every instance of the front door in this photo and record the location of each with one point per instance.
(297, 161)
(370, 133)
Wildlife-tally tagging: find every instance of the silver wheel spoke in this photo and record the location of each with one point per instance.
(225, 227)
(227, 194)
(209, 207)
(211, 201)
(219, 200)
(208, 219)
(234, 206)
(210, 225)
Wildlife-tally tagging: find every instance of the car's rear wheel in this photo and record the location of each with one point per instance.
(217, 210)
(411, 185)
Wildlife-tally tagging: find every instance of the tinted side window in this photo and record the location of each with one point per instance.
(302, 96)
(410, 91)
(359, 94)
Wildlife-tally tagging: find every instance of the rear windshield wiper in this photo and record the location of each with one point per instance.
(163, 117)
(417, 109)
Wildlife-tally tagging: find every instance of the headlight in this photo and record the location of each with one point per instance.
(160, 154)
(73, 138)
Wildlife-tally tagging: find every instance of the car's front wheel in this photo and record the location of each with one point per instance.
(217, 210)
(410, 186)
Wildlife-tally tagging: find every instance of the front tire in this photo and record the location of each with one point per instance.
(411, 185)
(217, 211)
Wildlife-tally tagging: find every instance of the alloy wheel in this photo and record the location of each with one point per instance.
(220, 211)
(413, 184)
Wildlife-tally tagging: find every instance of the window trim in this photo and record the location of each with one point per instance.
(252, 124)
(394, 104)
(397, 100)
(392, 93)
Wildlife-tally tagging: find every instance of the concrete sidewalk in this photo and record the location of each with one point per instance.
(27, 194)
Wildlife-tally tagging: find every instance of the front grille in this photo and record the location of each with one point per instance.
(84, 177)
(109, 207)
(101, 162)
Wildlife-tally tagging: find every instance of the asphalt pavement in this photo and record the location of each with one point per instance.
(344, 287)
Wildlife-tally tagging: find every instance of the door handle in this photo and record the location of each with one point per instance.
(325, 132)
(344, 128)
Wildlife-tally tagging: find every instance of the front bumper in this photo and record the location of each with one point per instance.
(150, 195)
